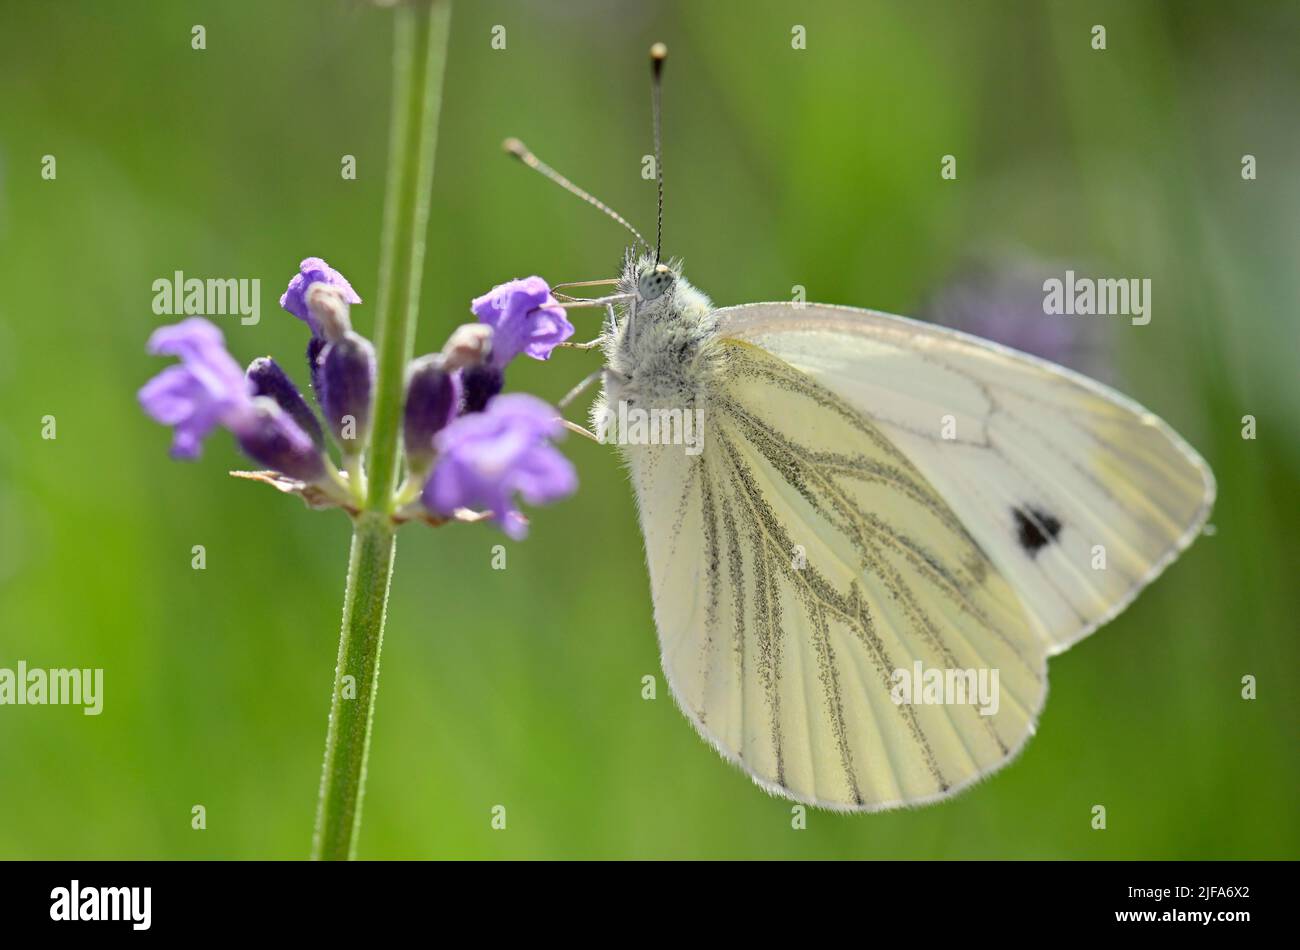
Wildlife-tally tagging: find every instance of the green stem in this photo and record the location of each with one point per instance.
(356, 680)
(419, 58)
(421, 55)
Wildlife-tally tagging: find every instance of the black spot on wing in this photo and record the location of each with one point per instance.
(1035, 528)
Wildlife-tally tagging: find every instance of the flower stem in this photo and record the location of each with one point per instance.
(422, 29)
(356, 680)
(419, 57)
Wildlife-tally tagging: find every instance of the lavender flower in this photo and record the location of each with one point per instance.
(524, 318)
(484, 459)
(313, 270)
(209, 389)
(467, 446)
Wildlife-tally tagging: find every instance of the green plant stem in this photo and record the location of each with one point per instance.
(419, 58)
(356, 680)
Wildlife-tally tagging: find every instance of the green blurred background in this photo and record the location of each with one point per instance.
(522, 687)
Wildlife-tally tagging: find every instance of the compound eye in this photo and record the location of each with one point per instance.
(654, 283)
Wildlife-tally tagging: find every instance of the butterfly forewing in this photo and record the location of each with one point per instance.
(1078, 495)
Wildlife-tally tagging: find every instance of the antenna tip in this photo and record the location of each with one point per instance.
(515, 147)
(658, 53)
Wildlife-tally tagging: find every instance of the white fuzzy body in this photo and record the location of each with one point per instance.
(657, 355)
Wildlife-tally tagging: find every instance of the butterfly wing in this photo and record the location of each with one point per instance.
(796, 564)
(1079, 496)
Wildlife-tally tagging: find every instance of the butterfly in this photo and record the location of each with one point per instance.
(886, 530)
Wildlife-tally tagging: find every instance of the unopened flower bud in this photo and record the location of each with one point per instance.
(330, 307)
(432, 398)
(268, 379)
(347, 382)
(269, 436)
(468, 345)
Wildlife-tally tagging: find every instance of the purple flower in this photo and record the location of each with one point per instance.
(524, 318)
(209, 389)
(311, 271)
(484, 459)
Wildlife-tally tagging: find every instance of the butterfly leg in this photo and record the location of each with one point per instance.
(589, 345)
(603, 282)
(578, 390)
(580, 430)
(578, 303)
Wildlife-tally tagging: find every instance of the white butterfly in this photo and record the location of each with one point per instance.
(872, 493)
(829, 533)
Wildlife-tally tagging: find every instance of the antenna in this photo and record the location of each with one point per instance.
(658, 53)
(521, 151)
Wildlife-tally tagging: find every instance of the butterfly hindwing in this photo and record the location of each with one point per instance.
(798, 565)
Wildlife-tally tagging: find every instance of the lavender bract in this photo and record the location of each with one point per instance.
(486, 458)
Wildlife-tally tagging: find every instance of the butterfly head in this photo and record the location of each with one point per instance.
(659, 290)
(654, 281)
